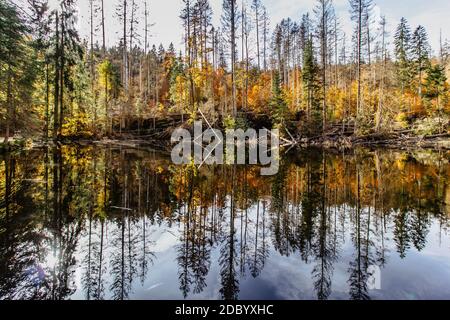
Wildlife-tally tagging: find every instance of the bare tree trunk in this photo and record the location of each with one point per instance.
(103, 29)
(9, 105)
(92, 74)
(61, 95)
(246, 66)
(383, 56)
(47, 100)
(265, 39)
(145, 62)
(125, 52)
(257, 36)
(233, 55)
(323, 36)
(57, 74)
(359, 44)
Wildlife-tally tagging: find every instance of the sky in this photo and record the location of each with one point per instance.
(432, 14)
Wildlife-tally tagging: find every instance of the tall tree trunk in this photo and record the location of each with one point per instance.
(383, 56)
(233, 55)
(359, 44)
(57, 75)
(61, 78)
(47, 100)
(257, 36)
(103, 29)
(9, 105)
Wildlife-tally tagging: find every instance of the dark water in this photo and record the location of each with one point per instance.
(108, 223)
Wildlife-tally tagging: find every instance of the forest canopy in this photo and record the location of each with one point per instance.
(53, 84)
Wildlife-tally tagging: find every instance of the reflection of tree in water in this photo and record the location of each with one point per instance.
(358, 269)
(259, 249)
(194, 250)
(98, 207)
(324, 247)
(228, 256)
(20, 242)
(310, 205)
(70, 204)
(123, 261)
(284, 238)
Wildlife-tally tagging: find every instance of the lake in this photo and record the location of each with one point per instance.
(118, 223)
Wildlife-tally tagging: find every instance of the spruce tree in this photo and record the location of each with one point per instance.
(309, 78)
(420, 54)
(402, 42)
(278, 104)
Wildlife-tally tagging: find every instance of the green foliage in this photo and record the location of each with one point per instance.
(310, 87)
(420, 49)
(278, 103)
(402, 42)
(435, 82)
(229, 122)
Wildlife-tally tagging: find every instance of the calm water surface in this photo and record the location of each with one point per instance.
(111, 223)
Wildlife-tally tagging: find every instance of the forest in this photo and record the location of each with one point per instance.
(307, 75)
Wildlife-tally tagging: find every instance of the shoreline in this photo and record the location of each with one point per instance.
(339, 142)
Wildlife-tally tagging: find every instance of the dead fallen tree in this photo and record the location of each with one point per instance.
(344, 138)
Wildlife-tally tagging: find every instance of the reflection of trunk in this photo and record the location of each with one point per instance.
(358, 273)
(7, 187)
(358, 226)
(256, 236)
(88, 276)
(100, 265)
(230, 285)
(122, 259)
(323, 271)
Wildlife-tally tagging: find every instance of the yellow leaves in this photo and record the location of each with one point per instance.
(159, 169)
(338, 102)
(77, 125)
(259, 94)
(402, 119)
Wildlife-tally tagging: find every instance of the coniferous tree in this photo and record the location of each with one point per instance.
(358, 8)
(309, 77)
(230, 26)
(402, 42)
(324, 12)
(420, 54)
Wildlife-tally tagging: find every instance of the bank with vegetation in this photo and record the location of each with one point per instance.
(374, 87)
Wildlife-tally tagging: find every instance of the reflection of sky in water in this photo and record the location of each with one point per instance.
(420, 275)
(309, 252)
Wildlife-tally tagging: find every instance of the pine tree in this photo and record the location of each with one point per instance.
(12, 59)
(309, 78)
(436, 90)
(402, 42)
(278, 104)
(324, 12)
(420, 54)
(230, 26)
